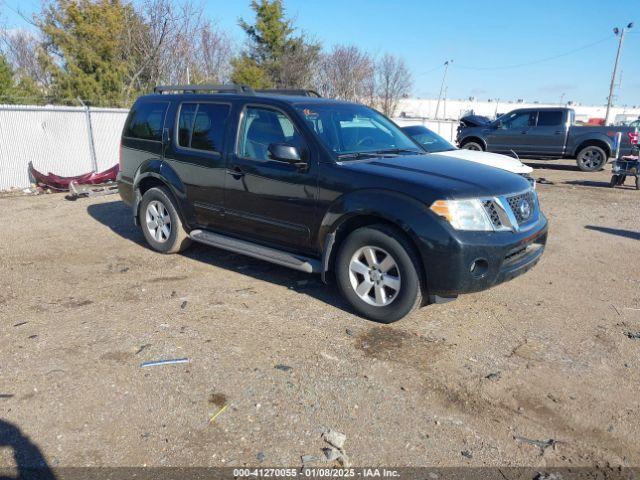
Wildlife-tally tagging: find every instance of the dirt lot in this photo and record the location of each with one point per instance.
(550, 355)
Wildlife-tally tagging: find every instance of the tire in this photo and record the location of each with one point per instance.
(637, 183)
(591, 158)
(614, 181)
(157, 209)
(621, 179)
(473, 146)
(393, 281)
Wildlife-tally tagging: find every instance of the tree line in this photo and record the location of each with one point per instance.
(107, 52)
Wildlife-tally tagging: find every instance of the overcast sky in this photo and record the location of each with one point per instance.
(482, 37)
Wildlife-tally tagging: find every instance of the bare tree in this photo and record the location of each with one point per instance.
(393, 81)
(172, 42)
(299, 64)
(347, 73)
(22, 49)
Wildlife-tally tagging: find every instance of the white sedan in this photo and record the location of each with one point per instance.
(434, 143)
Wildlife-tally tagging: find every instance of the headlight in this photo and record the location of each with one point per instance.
(463, 214)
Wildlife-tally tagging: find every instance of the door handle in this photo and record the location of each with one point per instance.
(236, 172)
(558, 132)
(524, 132)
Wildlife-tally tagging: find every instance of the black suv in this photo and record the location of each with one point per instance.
(324, 186)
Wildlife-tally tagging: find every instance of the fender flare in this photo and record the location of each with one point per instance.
(591, 138)
(163, 173)
(403, 211)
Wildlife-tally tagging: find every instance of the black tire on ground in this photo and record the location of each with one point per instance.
(162, 208)
(591, 158)
(384, 240)
(637, 183)
(621, 179)
(614, 181)
(473, 146)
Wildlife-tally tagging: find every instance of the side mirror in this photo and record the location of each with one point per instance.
(498, 124)
(284, 152)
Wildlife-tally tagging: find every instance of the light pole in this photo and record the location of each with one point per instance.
(619, 32)
(444, 77)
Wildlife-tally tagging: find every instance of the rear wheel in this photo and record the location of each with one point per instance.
(377, 273)
(473, 146)
(591, 158)
(160, 222)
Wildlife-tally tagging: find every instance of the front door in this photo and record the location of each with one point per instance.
(511, 133)
(274, 201)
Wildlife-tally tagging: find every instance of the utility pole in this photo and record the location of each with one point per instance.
(620, 33)
(444, 77)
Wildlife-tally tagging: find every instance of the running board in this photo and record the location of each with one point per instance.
(297, 262)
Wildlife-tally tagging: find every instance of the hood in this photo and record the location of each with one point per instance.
(474, 121)
(496, 160)
(433, 175)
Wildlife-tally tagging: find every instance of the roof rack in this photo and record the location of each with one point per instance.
(231, 88)
(289, 91)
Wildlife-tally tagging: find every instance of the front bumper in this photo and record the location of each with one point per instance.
(474, 261)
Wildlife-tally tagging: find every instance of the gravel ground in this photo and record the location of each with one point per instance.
(550, 355)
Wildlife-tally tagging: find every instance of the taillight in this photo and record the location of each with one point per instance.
(633, 137)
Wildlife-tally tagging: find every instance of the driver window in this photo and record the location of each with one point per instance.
(519, 120)
(260, 128)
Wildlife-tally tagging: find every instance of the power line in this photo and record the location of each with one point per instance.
(431, 71)
(535, 62)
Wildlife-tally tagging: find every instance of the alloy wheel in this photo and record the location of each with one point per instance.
(374, 276)
(158, 221)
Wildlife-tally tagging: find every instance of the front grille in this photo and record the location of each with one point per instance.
(518, 205)
(492, 211)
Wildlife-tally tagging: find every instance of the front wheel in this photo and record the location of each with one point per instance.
(473, 146)
(161, 225)
(591, 159)
(377, 273)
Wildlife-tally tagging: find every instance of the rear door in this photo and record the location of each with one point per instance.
(197, 155)
(511, 134)
(549, 135)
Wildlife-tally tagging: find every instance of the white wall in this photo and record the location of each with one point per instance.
(454, 109)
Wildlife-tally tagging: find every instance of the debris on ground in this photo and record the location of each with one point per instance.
(62, 184)
(466, 454)
(350, 332)
(142, 348)
(541, 444)
(494, 376)
(83, 191)
(215, 415)
(164, 362)
(6, 395)
(260, 456)
(183, 305)
(20, 324)
(614, 307)
(633, 335)
(283, 368)
(333, 453)
(544, 181)
(219, 399)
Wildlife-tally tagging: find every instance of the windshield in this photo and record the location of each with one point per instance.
(355, 129)
(431, 141)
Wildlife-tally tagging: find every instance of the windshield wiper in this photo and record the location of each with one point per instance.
(397, 151)
(358, 155)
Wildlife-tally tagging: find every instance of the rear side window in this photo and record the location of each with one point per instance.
(146, 120)
(549, 118)
(201, 126)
